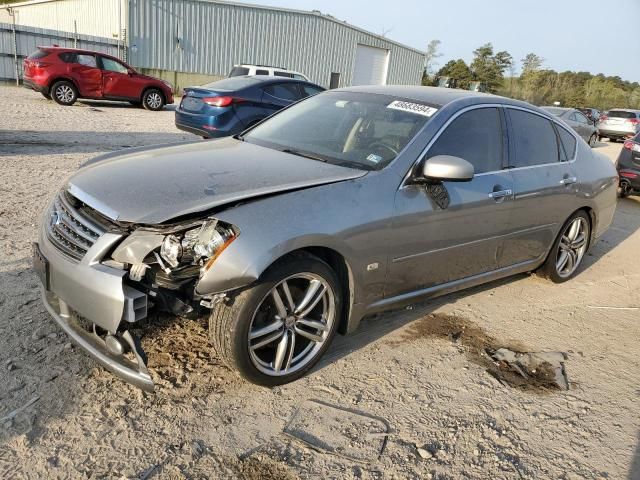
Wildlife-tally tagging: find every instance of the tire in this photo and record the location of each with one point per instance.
(64, 93)
(46, 95)
(153, 99)
(553, 268)
(592, 140)
(271, 357)
(623, 190)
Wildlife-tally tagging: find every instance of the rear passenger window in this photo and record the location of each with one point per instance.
(262, 72)
(283, 91)
(475, 136)
(534, 139)
(87, 60)
(68, 57)
(568, 143)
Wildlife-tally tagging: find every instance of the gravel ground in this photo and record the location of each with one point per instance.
(406, 396)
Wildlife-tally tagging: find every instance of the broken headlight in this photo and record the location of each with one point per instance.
(198, 246)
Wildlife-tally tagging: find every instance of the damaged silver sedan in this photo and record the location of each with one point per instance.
(348, 203)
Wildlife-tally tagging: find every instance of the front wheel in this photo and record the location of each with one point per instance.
(569, 248)
(64, 93)
(153, 99)
(592, 140)
(276, 331)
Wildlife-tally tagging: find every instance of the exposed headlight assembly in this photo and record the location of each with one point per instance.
(198, 246)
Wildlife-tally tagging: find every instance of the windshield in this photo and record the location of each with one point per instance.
(358, 130)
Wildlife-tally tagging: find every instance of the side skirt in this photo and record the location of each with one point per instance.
(454, 286)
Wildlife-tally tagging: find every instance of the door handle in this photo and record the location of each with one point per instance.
(568, 181)
(501, 194)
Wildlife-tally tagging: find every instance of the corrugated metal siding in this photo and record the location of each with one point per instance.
(92, 17)
(205, 37)
(29, 38)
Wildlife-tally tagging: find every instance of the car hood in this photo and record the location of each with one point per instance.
(156, 185)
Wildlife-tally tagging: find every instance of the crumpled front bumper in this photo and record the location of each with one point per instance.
(97, 293)
(135, 373)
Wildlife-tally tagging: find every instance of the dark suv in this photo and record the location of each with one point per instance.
(628, 166)
(66, 74)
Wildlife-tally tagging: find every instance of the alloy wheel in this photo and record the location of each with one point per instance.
(154, 100)
(572, 246)
(64, 93)
(291, 324)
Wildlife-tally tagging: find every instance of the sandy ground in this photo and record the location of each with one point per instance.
(404, 397)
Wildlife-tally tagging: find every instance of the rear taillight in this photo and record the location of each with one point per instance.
(603, 118)
(633, 121)
(628, 174)
(221, 101)
(40, 64)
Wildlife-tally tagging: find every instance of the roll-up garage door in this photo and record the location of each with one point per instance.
(370, 66)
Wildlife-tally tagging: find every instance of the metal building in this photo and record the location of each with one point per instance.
(202, 39)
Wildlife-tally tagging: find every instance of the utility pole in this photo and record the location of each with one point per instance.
(15, 44)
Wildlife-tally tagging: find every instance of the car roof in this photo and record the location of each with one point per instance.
(267, 66)
(253, 81)
(77, 50)
(438, 96)
(564, 109)
(271, 79)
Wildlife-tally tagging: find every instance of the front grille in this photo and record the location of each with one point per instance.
(71, 231)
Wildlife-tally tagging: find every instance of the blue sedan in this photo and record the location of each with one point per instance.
(231, 105)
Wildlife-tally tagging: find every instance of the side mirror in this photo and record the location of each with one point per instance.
(447, 168)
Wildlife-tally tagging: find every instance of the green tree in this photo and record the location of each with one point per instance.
(459, 70)
(488, 67)
(531, 63)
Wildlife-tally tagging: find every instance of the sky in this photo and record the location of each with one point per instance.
(578, 35)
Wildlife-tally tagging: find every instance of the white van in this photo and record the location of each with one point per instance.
(246, 69)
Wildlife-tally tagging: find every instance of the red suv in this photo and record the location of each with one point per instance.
(66, 74)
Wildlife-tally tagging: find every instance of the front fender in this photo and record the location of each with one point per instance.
(243, 262)
(351, 217)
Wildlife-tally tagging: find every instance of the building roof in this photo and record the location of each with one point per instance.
(314, 13)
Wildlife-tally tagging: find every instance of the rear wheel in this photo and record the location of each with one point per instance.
(153, 99)
(276, 331)
(569, 248)
(64, 93)
(592, 140)
(624, 189)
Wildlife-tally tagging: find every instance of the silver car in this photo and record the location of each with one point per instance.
(578, 121)
(348, 203)
(619, 124)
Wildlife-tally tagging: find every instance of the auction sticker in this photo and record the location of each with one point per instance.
(423, 110)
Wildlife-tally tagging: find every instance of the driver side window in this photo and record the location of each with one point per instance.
(113, 66)
(475, 136)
